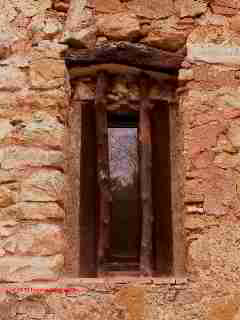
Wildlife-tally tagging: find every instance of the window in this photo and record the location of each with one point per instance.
(129, 203)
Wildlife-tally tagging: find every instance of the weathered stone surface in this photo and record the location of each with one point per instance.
(235, 23)
(220, 10)
(47, 49)
(83, 92)
(151, 9)
(185, 75)
(5, 128)
(8, 228)
(6, 197)
(80, 30)
(45, 27)
(35, 240)
(223, 7)
(30, 7)
(34, 309)
(79, 16)
(131, 299)
(111, 6)
(41, 100)
(17, 156)
(120, 26)
(84, 38)
(41, 129)
(234, 133)
(225, 160)
(225, 308)
(8, 34)
(20, 269)
(192, 8)
(168, 34)
(198, 223)
(165, 41)
(47, 74)
(43, 185)
(32, 211)
(225, 3)
(12, 79)
(210, 254)
(212, 19)
(213, 45)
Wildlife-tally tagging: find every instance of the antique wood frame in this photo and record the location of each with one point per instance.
(80, 66)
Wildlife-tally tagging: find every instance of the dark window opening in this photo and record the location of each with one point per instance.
(125, 226)
(161, 191)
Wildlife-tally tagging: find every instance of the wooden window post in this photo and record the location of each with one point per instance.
(146, 182)
(103, 174)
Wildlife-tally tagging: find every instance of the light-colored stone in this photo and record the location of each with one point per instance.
(5, 128)
(47, 49)
(80, 30)
(47, 74)
(35, 240)
(213, 45)
(44, 27)
(43, 185)
(42, 129)
(30, 8)
(19, 157)
(41, 100)
(185, 75)
(20, 269)
(120, 26)
(32, 211)
(192, 8)
(12, 79)
(225, 160)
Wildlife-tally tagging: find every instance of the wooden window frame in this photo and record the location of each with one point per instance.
(146, 269)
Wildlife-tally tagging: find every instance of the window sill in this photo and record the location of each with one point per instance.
(124, 280)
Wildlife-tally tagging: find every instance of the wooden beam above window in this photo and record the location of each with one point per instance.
(132, 54)
(113, 68)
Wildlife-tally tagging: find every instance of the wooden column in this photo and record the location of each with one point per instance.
(102, 172)
(146, 182)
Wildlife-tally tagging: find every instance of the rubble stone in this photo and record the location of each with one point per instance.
(35, 240)
(21, 269)
(120, 26)
(43, 185)
(151, 9)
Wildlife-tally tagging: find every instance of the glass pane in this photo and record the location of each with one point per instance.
(125, 223)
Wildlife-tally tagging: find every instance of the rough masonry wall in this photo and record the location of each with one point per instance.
(34, 108)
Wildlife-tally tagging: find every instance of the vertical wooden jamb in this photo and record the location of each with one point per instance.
(102, 172)
(73, 152)
(177, 187)
(146, 182)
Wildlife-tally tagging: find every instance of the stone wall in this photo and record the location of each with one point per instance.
(34, 111)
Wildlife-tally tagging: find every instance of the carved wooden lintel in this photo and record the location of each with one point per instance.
(132, 54)
(114, 68)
